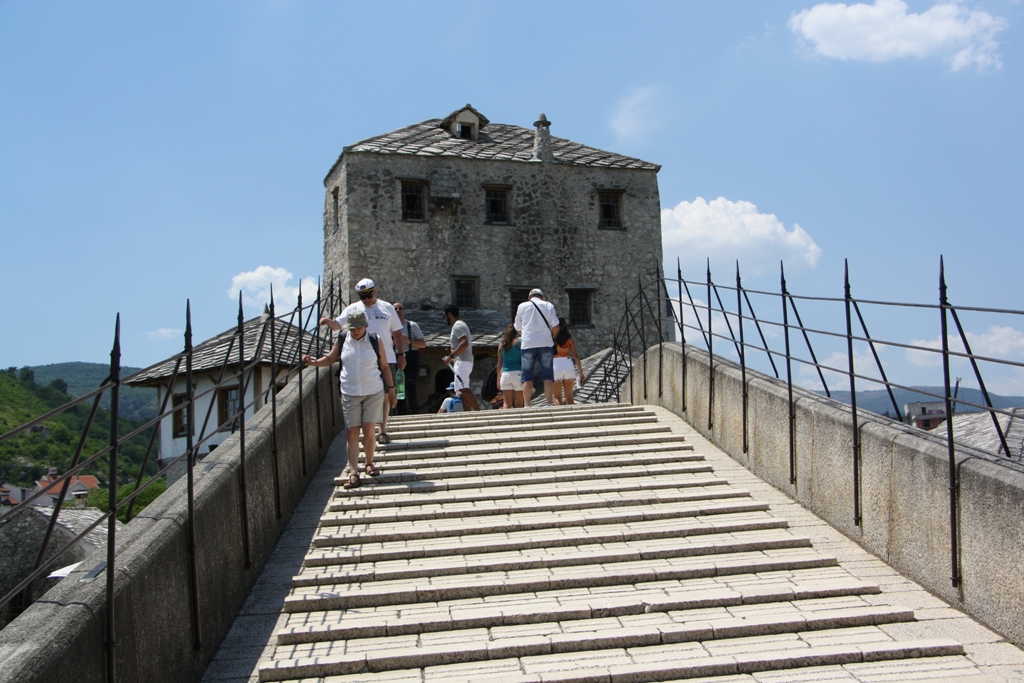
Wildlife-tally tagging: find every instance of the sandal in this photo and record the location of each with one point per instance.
(383, 438)
(372, 470)
(353, 482)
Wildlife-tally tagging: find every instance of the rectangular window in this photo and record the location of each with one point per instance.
(336, 220)
(496, 206)
(180, 420)
(466, 292)
(228, 405)
(610, 207)
(580, 301)
(414, 201)
(517, 296)
(466, 131)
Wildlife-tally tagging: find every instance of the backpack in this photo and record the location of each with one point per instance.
(490, 388)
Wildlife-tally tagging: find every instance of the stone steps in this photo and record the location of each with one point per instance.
(584, 543)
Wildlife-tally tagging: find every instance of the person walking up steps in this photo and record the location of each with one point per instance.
(461, 357)
(365, 386)
(534, 319)
(510, 366)
(565, 356)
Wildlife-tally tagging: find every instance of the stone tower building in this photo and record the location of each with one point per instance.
(459, 209)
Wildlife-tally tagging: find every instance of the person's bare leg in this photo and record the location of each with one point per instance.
(549, 391)
(468, 399)
(508, 400)
(353, 450)
(387, 411)
(520, 401)
(567, 387)
(527, 393)
(368, 443)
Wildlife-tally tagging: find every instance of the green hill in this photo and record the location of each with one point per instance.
(134, 402)
(26, 457)
(878, 401)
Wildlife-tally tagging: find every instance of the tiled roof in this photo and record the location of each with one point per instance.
(977, 430)
(486, 327)
(209, 355)
(53, 486)
(496, 141)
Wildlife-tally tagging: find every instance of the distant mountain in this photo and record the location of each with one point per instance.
(135, 403)
(877, 400)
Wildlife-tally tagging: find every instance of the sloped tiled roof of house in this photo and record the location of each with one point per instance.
(210, 354)
(977, 430)
(486, 327)
(52, 486)
(495, 141)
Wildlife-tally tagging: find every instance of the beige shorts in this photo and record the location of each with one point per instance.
(360, 410)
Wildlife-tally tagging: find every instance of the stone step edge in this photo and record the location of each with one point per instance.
(357, 538)
(305, 580)
(531, 584)
(550, 477)
(504, 443)
(460, 470)
(407, 500)
(462, 545)
(590, 607)
(520, 506)
(497, 452)
(493, 427)
(519, 414)
(720, 665)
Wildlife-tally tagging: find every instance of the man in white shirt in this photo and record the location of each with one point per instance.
(537, 322)
(384, 322)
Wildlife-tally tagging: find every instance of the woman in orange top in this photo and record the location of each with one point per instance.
(565, 356)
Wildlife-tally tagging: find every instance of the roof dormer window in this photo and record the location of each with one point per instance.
(465, 131)
(465, 123)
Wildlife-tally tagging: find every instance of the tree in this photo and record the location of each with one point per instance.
(60, 385)
(27, 375)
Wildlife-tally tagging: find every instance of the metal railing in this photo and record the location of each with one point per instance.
(651, 309)
(278, 341)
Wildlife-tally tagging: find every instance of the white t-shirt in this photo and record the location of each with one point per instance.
(382, 319)
(360, 374)
(531, 325)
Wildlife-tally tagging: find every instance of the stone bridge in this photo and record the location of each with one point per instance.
(611, 542)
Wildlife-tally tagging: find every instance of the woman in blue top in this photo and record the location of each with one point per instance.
(510, 365)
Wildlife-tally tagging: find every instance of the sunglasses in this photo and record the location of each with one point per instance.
(366, 295)
(399, 308)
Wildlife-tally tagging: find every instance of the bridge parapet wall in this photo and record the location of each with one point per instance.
(61, 637)
(904, 480)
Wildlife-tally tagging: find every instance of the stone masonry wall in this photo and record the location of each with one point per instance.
(553, 241)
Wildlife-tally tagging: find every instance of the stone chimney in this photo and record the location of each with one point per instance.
(542, 140)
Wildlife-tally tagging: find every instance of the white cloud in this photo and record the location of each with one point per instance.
(638, 115)
(255, 286)
(863, 364)
(1005, 343)
(164, 333)
(727, 231)
(886, 31)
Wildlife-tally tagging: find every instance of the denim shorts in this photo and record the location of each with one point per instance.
(542, 355)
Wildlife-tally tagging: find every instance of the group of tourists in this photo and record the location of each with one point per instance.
(533, 348)
(376, 342)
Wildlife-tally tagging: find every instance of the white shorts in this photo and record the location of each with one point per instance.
(564, 369)
(462, 370)
(511, 380)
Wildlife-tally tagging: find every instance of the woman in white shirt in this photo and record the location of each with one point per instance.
(365, 376)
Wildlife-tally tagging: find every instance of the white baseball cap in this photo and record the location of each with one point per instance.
(365, 285)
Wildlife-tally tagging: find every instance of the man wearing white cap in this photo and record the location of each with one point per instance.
(537, 322)
(383, 321)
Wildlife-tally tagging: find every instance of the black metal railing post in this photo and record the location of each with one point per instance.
(711, 358)
(743, 353)
(853, 396)
(316, 391)
(190, 415)
(789, 376)
(241, 434)
(661, 337)
(643, 328)
(302, 422)
(954, 487)
(273, 407)
(115, 379)
(682, 339)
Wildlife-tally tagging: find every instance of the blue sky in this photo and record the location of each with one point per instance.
(158, 152)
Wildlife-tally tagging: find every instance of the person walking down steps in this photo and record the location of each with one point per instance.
(366, 384)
